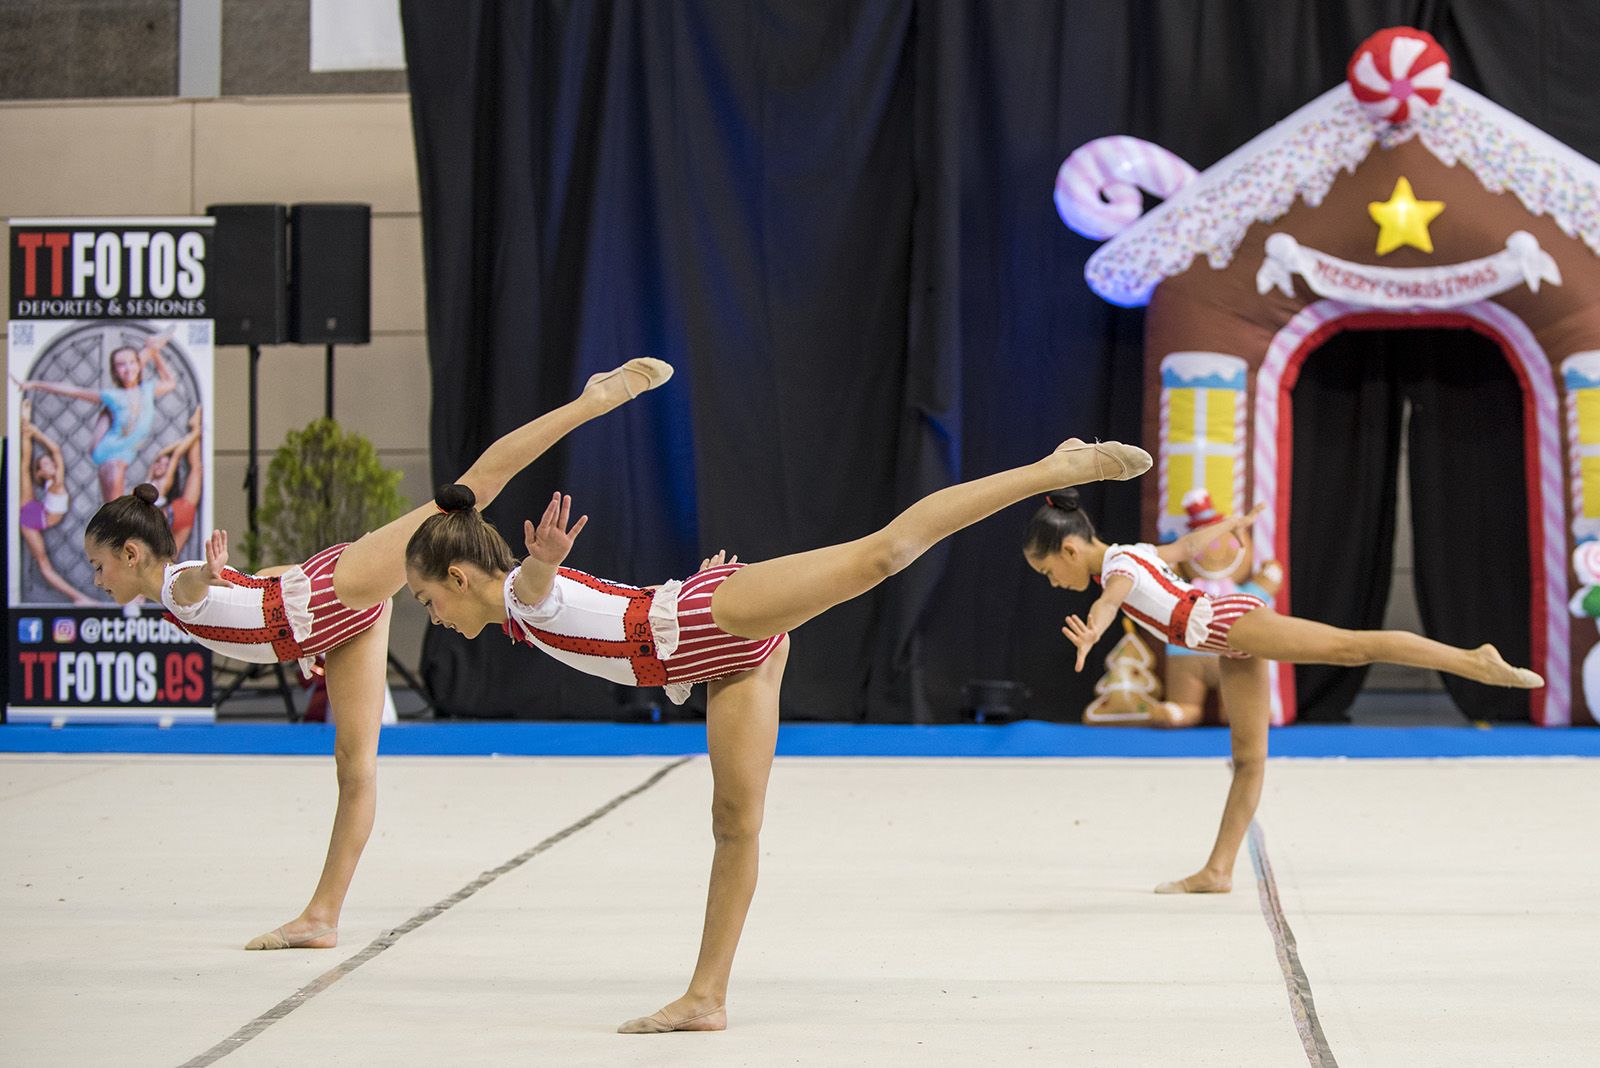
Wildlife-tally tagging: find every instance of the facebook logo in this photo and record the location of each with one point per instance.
(30, 630)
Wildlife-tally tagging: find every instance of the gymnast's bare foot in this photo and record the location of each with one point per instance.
(1203, 881)
(614, 388)
(1082, 461)
(1494, 670)
(299, 933)
(686, 1014)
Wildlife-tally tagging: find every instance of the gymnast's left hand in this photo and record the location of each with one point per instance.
(718, 560)
(551, 541)
(1083, 636)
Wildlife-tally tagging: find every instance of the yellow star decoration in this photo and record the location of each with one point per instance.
(1403, 219)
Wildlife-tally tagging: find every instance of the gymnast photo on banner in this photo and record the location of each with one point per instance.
(98, 406)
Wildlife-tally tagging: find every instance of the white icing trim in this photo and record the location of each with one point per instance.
(1300, 157)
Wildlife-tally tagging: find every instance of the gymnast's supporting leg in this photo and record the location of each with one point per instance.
(741, 731)
(1246, 695)
(356, 689)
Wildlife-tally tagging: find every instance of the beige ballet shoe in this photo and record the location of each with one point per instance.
(275, 939)
(656, 1024)
(1113, 461)
(1181, 886)
(654, 372)
(1503, 674)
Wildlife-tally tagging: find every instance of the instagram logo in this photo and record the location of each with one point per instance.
(64, 629)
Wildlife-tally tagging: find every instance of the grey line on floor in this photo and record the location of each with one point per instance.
(389, 938)
(1301, 1006)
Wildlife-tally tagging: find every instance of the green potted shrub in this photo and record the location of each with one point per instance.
(325, 485)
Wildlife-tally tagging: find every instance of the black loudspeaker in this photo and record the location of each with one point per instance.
(330, 274)
(248, 268)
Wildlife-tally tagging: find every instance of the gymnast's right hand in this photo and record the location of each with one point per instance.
(217, 558)
(551, 541)
(718, 560)
(1083, 636)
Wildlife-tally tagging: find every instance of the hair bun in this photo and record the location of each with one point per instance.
(1064, 499)
(147, 493)
(455, 498)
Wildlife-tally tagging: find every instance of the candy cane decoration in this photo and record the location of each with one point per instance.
(1396, 71)
(1097, 187)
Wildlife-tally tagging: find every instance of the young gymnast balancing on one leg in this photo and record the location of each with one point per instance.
(335, 604)
(725, 625)
(1061, 545)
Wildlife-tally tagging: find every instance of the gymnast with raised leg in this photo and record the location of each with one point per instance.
(726, 626)
(336, 604)
(128, 407)
(1061, 545)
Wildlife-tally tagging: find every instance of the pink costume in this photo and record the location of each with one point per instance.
(1172, 609)
(633, 636)
(293, 616)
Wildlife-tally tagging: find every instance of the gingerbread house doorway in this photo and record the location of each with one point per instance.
(1386, 430)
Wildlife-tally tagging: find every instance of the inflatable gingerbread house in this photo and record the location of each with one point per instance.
(1398, 201)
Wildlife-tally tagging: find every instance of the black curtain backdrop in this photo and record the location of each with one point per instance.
(835, 219)
(1355, 398)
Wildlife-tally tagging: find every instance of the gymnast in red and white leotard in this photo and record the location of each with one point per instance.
(655, 636)
(1169, 607)
(1061, 545)
(725, 625)
(292, 616)
(334, 605)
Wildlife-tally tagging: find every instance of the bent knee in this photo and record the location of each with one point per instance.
(1250, 763)
(355, 768)
(735, 822)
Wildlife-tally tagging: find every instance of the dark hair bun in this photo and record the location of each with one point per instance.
(454, 498)
(147, 493)
(1064, 499)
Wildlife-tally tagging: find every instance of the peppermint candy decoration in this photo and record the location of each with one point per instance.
(1097, 188)
(1396, 71)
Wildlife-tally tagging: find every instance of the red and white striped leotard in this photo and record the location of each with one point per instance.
(634, 636)
(1172, 609)
(294, 616)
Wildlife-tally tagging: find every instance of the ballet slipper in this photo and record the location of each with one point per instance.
(656, 1024)
(1113, 461)
(1501, 673)
(275, 939)
(654, 372)
(1181, 886)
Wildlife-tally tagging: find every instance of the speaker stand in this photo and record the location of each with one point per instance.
(252, 473)
(327, 383)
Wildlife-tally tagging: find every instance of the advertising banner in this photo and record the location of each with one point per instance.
(110, 370)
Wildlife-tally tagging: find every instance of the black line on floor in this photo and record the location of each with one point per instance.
(1301, 1006)
(389, 938)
